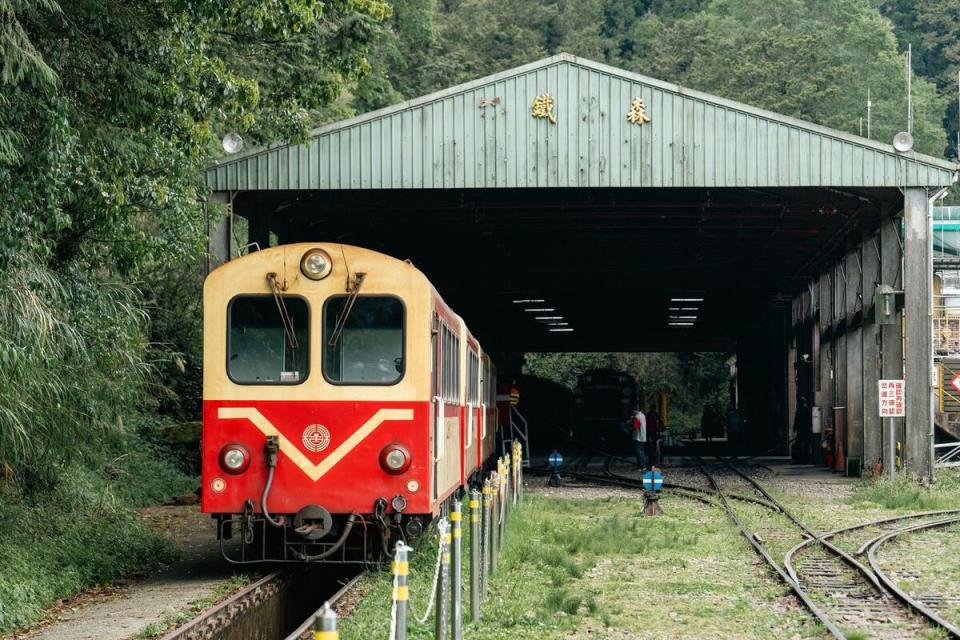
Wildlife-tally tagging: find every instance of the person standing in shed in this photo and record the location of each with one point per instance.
(639, 436)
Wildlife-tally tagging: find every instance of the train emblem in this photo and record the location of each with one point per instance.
(316, 438)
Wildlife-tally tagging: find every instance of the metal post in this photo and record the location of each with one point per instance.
(456, 573)
(401, 593)
(502, 477)
(475, 555)
(495, 525)
(486, 516)
(443, 587)
(892, 453)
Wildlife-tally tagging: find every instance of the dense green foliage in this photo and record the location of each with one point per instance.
(691, 380)
(108, 112)
(814, 59)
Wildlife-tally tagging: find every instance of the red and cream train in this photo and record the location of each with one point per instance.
(343, 403)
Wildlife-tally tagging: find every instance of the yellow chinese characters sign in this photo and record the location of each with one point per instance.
(542, 107)
(638, 112)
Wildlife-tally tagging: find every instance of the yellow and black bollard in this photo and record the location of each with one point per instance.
(456, 572)
(325, 626)
(401, 592)
(443, 587)
(495, 524)
(475, 555)
(486, 516)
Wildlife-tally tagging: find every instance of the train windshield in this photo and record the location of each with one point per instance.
(267, 345)
(369, 348)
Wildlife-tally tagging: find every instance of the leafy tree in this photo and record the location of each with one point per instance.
(812, 59)
(110, 111)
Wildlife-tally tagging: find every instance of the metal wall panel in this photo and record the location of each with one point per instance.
(482, 135)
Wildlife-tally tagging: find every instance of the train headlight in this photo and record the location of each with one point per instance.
(395, 458)
(316, 264)
(234, 458)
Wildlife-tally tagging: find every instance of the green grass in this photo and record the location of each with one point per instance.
(578, 568)
(82, 529)
(904, 493)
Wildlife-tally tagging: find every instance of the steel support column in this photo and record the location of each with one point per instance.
(891, 339)
(854, 355)
(218, 231)
(917, 331)
(872, 429)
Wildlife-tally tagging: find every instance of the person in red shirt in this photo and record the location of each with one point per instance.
(639, 436)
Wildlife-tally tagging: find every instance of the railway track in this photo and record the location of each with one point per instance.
(849, 598)
(281, 605)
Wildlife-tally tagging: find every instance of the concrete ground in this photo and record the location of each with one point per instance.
(122, 612)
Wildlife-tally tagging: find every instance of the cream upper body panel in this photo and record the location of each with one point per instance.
(385, 276)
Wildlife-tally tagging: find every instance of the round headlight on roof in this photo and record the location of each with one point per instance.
(316, 264)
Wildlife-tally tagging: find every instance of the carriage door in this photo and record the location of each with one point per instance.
(438, 334)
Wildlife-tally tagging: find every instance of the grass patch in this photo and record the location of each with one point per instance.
(581, 568)
(904, 493)
(81, 529)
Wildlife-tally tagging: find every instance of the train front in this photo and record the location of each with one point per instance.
(316, 404)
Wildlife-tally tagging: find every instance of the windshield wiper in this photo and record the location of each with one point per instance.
(354, 291)
(285, 318)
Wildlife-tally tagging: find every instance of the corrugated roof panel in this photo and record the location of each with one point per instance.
(483, 135)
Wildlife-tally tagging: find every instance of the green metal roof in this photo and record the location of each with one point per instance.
(482, 135)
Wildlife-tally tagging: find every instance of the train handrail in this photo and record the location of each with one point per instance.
(441, 429)
(469, 426)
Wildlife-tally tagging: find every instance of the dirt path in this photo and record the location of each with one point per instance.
(122, 611)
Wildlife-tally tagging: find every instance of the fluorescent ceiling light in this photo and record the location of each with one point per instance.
(684, 308)
(538, 310)
(528, 301)
(558, 324)
(683, 317)
(680, 324)
(686, 299)
(549, 317)
(568, 330)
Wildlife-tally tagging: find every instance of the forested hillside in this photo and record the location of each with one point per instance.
(109, 110)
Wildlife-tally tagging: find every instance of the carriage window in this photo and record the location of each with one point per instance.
(268, 344)
(368, 348)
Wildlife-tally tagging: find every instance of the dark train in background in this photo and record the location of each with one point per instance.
(604, 400)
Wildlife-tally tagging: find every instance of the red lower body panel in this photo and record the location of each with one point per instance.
(329, 455)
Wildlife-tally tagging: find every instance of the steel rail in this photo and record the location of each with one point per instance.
(902, 595)
(184, 629)
(788, 556)
(794, 585)
(814, 536)
(307, 625)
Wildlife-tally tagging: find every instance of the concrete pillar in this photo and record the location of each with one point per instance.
(891, 345)
(872, 429)
(917, 331)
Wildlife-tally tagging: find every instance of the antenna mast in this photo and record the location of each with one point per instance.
(909, 88)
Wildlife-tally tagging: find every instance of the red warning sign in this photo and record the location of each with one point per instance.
(892, 399)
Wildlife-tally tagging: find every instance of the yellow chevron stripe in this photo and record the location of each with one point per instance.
(293, 452)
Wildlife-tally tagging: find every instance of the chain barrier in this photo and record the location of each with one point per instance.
(442, 527)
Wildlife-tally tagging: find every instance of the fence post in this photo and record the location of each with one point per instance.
(401, 593)
(495, 523)
(456, 572)
(325, 626)
(443, 587)
(475, 555)
(501, 502)
(486, 516)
